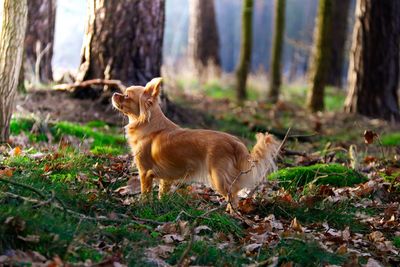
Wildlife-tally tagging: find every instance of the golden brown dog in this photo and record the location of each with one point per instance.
(163, 150)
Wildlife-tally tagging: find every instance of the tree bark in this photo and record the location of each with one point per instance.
(339, 25)
(245, 50)
(123, 41)
(39, 38)
(277, 49)
(203, 47)
(374, 60)
(12, 33)
(321, 56)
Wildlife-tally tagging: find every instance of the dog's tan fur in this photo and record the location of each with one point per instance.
(167, 152)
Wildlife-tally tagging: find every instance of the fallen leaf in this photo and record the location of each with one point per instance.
(172, 238)
(376, 236)
(252, 247)
(295, 225)
(373, 263)
(342, 249)
(369, 136)
(200, 228)
(16, 151)
(6, 172)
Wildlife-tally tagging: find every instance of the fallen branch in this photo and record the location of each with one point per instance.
(88, 83)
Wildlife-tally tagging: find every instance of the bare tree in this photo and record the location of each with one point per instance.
(245, 50)
(277, 49)
(12, 33)
(340, 21)
(321, 56)
(39, 38)
(374, 60)
(123, 41)
(203, 48)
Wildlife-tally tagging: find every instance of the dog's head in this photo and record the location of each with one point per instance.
(137, 102)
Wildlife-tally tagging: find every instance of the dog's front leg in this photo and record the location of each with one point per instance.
(146, 182)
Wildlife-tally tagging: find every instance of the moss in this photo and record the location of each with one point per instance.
(328, 174)
(391, 139)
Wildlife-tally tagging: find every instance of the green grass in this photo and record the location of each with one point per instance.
(333, 99)
(209, 255)
(74, 178)
(338, 215)
(391, 139)
(327, 174)
(104, 140)
(304, 253)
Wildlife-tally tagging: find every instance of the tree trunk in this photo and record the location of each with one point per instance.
(245, 50)
(39, 38)
(123, 41)
(277, 48)
(340, 21)
(203, 47)
(12, 33)
(321, 56)
(374, 60)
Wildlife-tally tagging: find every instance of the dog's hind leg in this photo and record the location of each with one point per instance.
(222, 183)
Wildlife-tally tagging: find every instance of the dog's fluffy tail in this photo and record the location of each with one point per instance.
(262, 160)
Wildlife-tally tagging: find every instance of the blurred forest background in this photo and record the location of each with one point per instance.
(321, 75)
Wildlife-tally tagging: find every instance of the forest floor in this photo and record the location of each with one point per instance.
(70, 194)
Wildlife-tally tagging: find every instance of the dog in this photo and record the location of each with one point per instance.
(163, 150)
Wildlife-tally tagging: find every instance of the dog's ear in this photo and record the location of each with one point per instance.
(148, 98)
(152, 88)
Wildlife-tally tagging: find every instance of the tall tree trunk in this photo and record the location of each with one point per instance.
(39, 38)
(374, 60)
(12, 33)
(321, 56)
(339, 25)
(123, 40)
(245, 50)
(277, 49)
(203, 48)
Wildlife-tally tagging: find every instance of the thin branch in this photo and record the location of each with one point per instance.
(42, 195)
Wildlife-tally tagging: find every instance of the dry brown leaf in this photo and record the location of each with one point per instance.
(6, 172)
(342, 249)
(295, 225)
(369, 136)
(376, 236)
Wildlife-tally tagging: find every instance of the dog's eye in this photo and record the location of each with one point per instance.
(126, 96)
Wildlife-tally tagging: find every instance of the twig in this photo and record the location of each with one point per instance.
(288, 152)
(192, 234)
(42, 195)
(284, 139)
